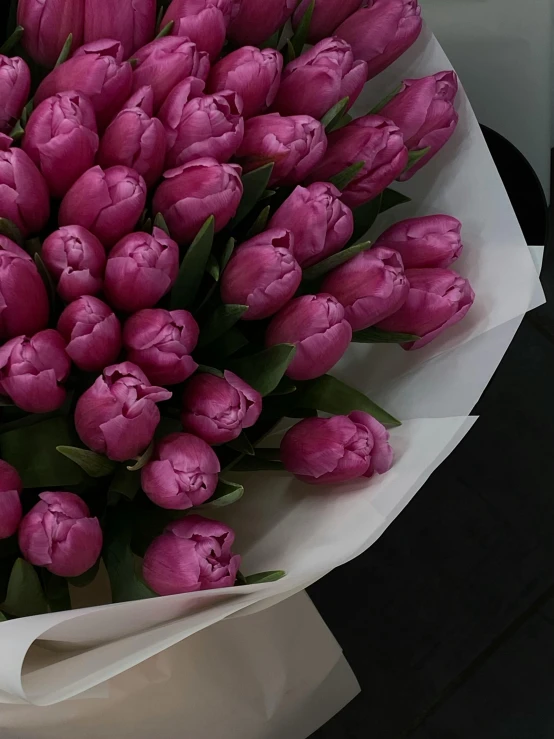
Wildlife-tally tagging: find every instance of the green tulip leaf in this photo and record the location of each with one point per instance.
(335, 114)
(415, 155)
(378, 336)
(13, 40)
(125, 484)
(57, 592)
(9, 229)
(285, 387)
(2, 617)
(221, 320)
(227, 253)
(46, 278)
(95, 465)
(66, 50)
(213, 268)
(88, 577)
(143, 459)
(193, 267)
(391, 198)
(264, 371)
(226, 494)
(263, 577)
(386, 100)
(334, 261)
(300, 37)
(25, 596)
(166, 30)
(160, 222)
(342, 179)
(365, 216)
(254, 184)
(260, 223)
(120, 560)
(242, 444)
(257, 464)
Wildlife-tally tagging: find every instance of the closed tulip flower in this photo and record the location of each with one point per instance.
(371, 139)
(296, 144)
(15, 84)
(92, 332)
(161, 342)
(437, 300)
(371, 287)
(382, 454)
(256, 21)
(192, 554)
(382, 32)
(202, 21)
(60, 535)
(424, 112)
(319, 221)
(131, 23)
(182, 473)
(217, 409)
(47, 26)
(24, 197)
(428, 241)
(108, 203)
(327, 15)
(33, 370)
(10, 502)
(262, 274)
(193, 192)
(319, 78)
(118, 415)
(102, 47)
(254, 74)
(143, 98)
(141, 269)
(76, 260)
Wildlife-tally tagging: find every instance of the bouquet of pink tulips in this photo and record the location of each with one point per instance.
(183, 202)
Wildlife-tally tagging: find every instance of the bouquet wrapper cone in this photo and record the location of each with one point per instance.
(282, 524)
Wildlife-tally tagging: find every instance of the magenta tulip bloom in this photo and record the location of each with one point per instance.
(60, 534)
(143, 98)
(131, 23)
(167, 61)
(217, 409)
(371, 139)
(202, 21)
(118, 415)
(76, 259)
(262, 274)
(438, 299)
(102, 47)
(141, 269)
(32, 371)
(254, 74)
(108, 203)
(428, 241)
(10, 503)
(15, 84)
(256, 21)
(161, 343)
(296, 144)
(24, 304)
(193, 192)
(93, 333)
(327, 15)
(47, 25)
(319, 221)
(24, 197)
(182, 473)
(371, 287)
(319, 78)
(382, 455)
(317, 326)
(382, 32)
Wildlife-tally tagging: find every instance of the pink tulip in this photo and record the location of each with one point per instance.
(320, 78)
(428, 241)
(371, 287)
(132, 23)
(193, 192)
(327, 15)
(141, 269)
(262, 274)
(202, 21)
(371, 139)
(10, 503)
(254, 74)
(107, 203)
(256, 21)
(102, 47)
(382, 455)
(15, 84)
(24, 304)
(319, 221)
(93, 333)
(317, 326)
(47, 26)
(182, 473)
(76, 259)
(192, 554)
(32, 371)
(437, 300)
(24, 197)
(118, 415)
(217, 409)
(382, 32)
(60, 534)
(143, 98)
(160, 342)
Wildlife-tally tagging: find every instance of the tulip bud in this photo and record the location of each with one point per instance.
(202, 21)
(60, 534)
(329, 450)
(317, 326)
(208, 126)
(167, 61)
(24, 197)
(76, 259)
(254, 74)
(141, 269)
(108, 203)
(132, 23)
(217, 409)
(118, 415)
(257, 21)
(192, 554)
(93, 333)
(296, 144)
(371, 139)
(319, 221)
(15, 84)
(319, 78)
(47, 26)
(327, 15)
(24, 304)
(10, 503)
(382, 32)
(262, 274)
(437, 299)
(143, 98)
(182, 473)
(103, 47)
(193, 192)
(32, 370)
(424, 112)
(428, 241)
(161, 343)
